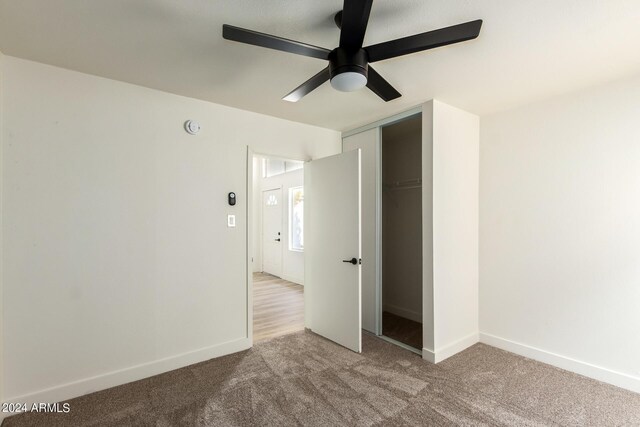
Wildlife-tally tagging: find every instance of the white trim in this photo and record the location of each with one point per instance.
(293, 279)
(451, 349)
(428, 355)
(275, 157)
(383, 122)
(2, 96)
(249, 233)
(456, 347)
(378, 313)
(600, 373)
(403, 312)
(127, 375)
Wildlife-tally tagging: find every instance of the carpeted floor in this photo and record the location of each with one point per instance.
(303, 379)
(400, 329)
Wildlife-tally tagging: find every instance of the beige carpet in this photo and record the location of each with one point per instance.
(302, 379)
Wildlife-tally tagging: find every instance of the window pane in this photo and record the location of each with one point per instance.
(296, 218)
(291, 165)
(272, 200)
(274, 167)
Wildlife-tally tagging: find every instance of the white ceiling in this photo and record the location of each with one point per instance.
(527, 50)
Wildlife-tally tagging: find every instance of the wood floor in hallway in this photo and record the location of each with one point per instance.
(278, 307)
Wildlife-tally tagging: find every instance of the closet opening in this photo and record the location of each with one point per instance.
(401, 232)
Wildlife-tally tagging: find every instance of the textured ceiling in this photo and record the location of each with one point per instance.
(527, 50)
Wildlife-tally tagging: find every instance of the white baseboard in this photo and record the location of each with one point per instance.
(403, 312)
(599, 373)
(292, 279)
(451, 349)
(429, 355)
(134, 373)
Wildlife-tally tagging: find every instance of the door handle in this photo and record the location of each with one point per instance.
(353, 261)
(277, 240)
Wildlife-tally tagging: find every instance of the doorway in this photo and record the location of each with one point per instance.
(401, 231)
(277, 246)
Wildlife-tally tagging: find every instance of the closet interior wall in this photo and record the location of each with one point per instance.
(402, 231)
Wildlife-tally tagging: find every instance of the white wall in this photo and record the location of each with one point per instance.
(560, 231)
(292, 261)
(117, 260)
(455, 138)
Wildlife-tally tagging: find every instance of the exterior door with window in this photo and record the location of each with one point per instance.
(272, 232)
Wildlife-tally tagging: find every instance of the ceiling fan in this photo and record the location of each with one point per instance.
(349, 68)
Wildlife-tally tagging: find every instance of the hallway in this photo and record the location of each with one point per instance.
(278, 307)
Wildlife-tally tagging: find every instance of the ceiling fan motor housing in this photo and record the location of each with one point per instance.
(342, 60)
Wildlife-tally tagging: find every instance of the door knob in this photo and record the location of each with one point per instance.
(353, 261)
(277, 240)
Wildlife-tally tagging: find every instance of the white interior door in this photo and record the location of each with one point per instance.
(272, 232)
(332, 243)
(369, 144)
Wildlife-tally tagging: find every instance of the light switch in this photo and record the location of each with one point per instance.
(231, 220)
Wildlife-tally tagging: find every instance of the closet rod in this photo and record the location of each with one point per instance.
(404, 185)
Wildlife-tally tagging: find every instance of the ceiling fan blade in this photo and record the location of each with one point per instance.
(308, 86)
(355, 16)
(381, 87)
(429, 40)
(241, 35)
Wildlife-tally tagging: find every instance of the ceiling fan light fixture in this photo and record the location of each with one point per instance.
(349, 81)
(348, 68)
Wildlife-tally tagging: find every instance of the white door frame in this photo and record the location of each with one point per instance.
(249, 244)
